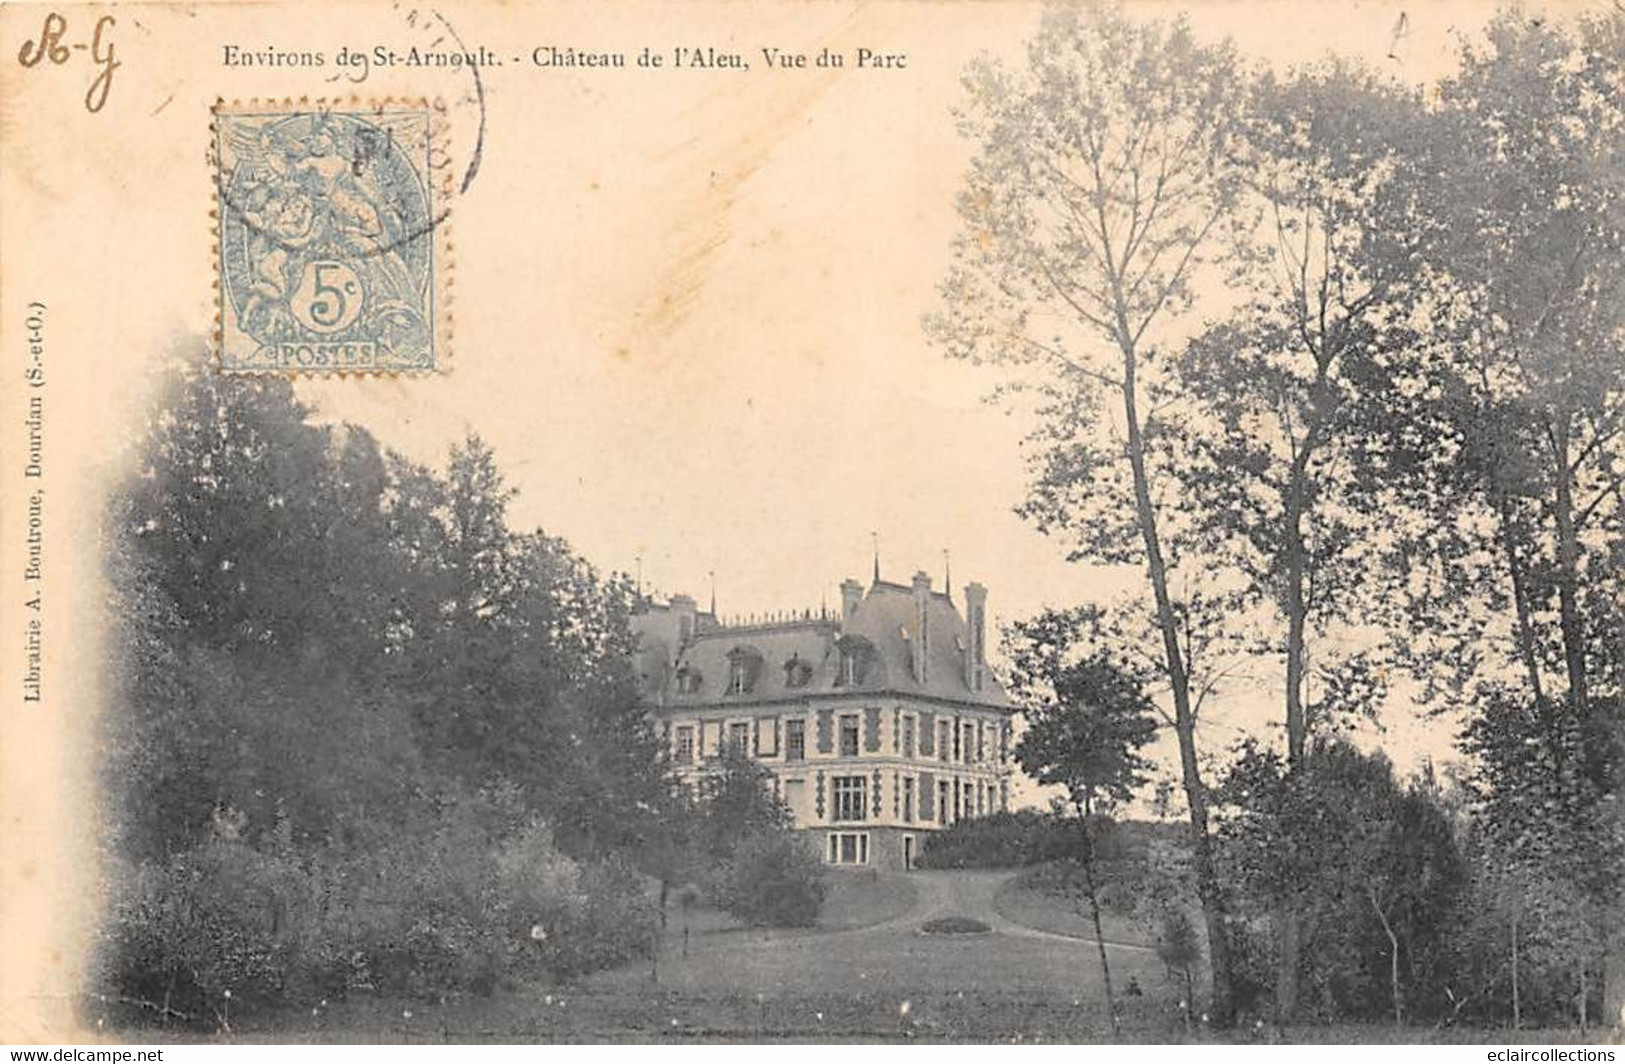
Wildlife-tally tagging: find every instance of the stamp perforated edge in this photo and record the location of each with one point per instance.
(442, 272)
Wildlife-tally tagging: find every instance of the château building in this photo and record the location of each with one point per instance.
(877, 725)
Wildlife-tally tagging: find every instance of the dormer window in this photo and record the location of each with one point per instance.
(855, 653)
(688, 681)
(797, 673)
(744, 665)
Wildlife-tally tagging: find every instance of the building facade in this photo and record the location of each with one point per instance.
(878, 725)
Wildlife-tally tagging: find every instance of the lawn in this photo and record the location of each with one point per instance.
(1021, 902)
(867, 974)
(864, 899)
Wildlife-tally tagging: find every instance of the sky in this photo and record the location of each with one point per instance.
(687, 305)
(722, 287)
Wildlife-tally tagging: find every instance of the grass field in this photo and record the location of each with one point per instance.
(867, 974)
(1019, 902)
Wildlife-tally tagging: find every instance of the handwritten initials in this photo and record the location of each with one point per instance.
(50, 46)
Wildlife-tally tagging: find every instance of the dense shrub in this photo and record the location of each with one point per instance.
(772, 879)
(230, 927)
(999, 840)
(224, 928)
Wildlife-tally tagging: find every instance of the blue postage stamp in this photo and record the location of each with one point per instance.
(332, 240)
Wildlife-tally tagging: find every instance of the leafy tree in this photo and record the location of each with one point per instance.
(772, 879)
(1535, 818)
(1372, 867)
(742, 848)
(333, 668)
(250, 602)
(1515, 501)
(1086, 721)
(1105, 178)
(736, 800)
(1279, 459)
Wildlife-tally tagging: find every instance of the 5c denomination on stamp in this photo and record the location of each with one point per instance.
(333, 255)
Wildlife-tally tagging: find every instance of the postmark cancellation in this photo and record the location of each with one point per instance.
(332, 248)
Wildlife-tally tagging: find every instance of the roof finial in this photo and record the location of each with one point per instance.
(874, 537)
(947, 575)
(712, 573)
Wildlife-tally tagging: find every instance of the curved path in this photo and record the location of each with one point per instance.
(971, 893)
(893, 957)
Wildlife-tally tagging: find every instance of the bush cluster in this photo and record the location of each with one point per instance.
(999, 840)
(771, 880)
(232, 927)
(738, 849)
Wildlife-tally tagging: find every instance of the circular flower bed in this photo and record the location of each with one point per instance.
(954, 925)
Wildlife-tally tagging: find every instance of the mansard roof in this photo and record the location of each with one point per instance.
(880, 627)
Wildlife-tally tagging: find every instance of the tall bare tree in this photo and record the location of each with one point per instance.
(1284, 388)
(1104, 185)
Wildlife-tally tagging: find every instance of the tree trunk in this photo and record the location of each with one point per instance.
(1207, 881)
(1517, 1005)
(1289, 945)
(1520, 598)
(1094, 913)
(1297, 723)
(1393, 961)
(1574, 660)
(1613, 976)
(1568, 577)
(1584, 991)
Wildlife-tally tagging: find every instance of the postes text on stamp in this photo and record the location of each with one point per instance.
(332, 254)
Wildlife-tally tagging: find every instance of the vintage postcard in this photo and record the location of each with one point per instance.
(813, 522)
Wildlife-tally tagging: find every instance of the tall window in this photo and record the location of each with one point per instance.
(908, 736)
(908, 799)
(736, 678)
(849, 735)
(849, 798)
(738, 738)
(969, 747)
(945, 740)
(795, 740)
(685, 745)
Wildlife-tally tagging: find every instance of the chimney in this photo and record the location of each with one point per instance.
(922, 624)
(683, 608)
(851, 595)
(976, 644)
